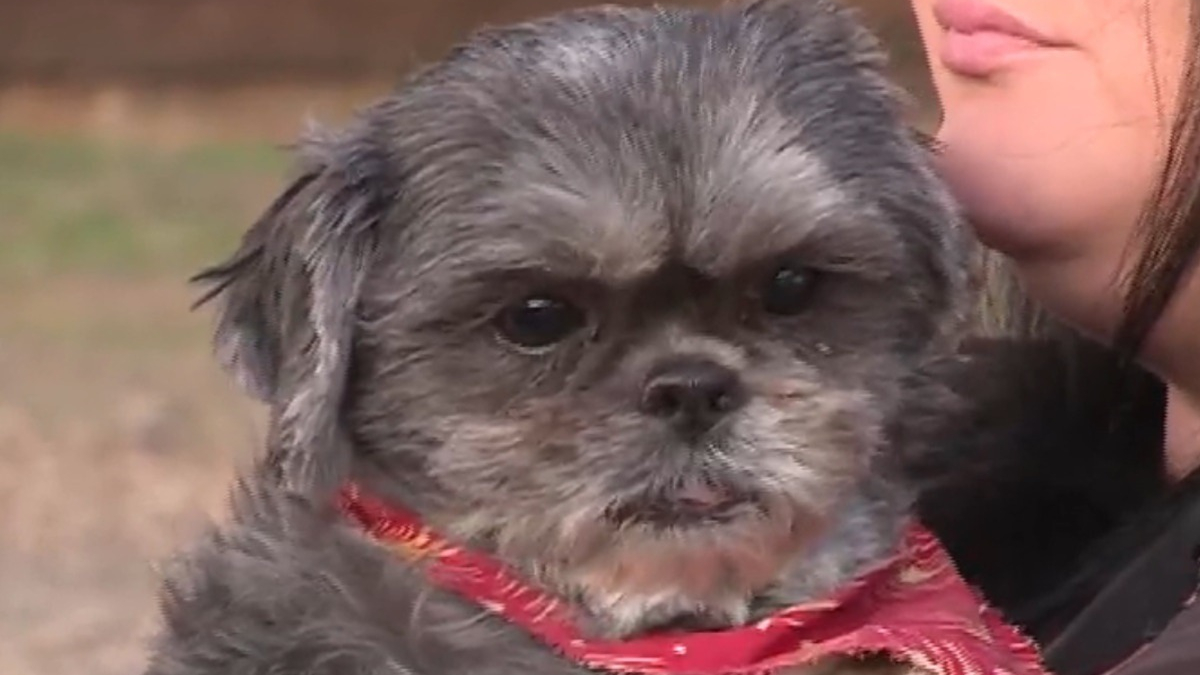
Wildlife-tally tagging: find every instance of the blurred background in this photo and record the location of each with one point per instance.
(138, 138)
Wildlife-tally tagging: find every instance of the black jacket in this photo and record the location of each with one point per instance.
(1051, 496)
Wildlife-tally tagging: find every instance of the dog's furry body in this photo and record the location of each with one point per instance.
(746, 266)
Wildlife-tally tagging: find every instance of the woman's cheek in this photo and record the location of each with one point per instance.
(1001, 202)
(1050, 186)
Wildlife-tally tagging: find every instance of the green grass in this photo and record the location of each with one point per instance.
(72, 206)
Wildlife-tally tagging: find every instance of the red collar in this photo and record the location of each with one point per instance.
(914, 608)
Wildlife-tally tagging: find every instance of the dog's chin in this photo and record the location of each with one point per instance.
(686, 563)
(699, 542)
(692, 505)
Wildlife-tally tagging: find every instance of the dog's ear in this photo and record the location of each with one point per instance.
(287, 299)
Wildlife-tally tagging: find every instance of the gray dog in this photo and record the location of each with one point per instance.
(640, 303)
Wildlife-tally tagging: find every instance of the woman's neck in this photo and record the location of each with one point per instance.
(1182, 432)
(1172, 351)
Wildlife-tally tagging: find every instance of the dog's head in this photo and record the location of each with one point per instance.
(608, 292)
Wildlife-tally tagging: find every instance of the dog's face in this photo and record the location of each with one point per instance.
(633, 298)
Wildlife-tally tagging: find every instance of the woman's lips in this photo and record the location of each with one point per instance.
(980, 39)
(981, 54)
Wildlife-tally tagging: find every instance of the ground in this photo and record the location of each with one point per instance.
(118, 434)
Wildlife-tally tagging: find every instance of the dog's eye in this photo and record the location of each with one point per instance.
(789, 289)
(539, 321)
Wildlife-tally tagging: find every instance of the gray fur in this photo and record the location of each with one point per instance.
(652, 166)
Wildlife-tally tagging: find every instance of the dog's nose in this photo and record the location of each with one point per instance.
(692, 393)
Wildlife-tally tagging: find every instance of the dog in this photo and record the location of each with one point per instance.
(641, 303)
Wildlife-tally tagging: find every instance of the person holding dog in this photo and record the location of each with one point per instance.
(1071, 136)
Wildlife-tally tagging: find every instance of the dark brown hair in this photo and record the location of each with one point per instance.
(1168, 234)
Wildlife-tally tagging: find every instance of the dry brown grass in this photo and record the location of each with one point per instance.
(111, 453)
(118, 435)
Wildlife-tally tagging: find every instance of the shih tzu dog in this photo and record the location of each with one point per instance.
(637, 306)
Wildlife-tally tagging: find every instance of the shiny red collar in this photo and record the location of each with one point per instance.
(914, 608)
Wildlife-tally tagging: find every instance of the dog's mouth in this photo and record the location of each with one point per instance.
(692, 504)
